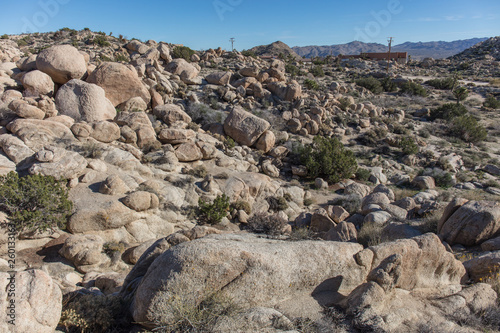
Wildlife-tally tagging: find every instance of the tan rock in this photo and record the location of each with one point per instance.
(171, 113)
(219, 78)
(105, 131)
(62, 63)
(175, 135)
(141, 200)
(266, 141)
(37, 83)
(244, 127)
(188, 152)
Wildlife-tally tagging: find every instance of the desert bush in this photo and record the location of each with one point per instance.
(430, 222)
(461, 94)
(311, 84)
(327, 158)
(277, 203)
(242, 205)
(292, 70)
(203, 114)
(93, 313)
(298, 234)
(413, 89)
(122, 57)
(373, 136)
(5, 36)
(248, 53)
(199, 171)
(442, 84)
(467, 128)
(180, 312)
(317, 71)
(100, 40)
(448, 111)
(34, 202)
(371, 84)
(92, 150)
(408, 146)
(441, 177)
(370, 234)
(351, 203)
(363, 174)
(213, 213)
(491, 102)
(388, 84)
(183, 52)
(262, 223)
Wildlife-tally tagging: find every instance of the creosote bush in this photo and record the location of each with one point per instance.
(467, 128)
(35, 202)
(371, 84)
(491, 102)
(442, 84)
(448, 111)
(183, 52)
(413, 89)
(327, 158)
(408, 146)
(311, 84)
(262, 223)
(213, 213)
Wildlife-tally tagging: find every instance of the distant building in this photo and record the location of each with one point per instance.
(400, 57)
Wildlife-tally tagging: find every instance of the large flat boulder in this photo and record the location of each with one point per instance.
(84, 101)
(62, 63)
(120, 82)
(244, 127)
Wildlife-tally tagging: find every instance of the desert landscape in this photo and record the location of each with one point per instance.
(149, 187)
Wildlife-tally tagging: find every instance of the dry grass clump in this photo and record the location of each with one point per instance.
(262, 223)
(370, 234)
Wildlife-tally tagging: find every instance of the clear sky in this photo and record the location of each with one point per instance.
(203, 24)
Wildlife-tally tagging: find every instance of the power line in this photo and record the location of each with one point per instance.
(232, 39)
(389, 54)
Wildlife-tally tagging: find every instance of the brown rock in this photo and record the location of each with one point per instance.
(244, 127)
(62, 63)
(141, 200)
(188, 152)
(171, 113)
(266, 141)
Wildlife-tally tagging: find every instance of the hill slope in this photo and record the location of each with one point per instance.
(274, 49)
(490, 47)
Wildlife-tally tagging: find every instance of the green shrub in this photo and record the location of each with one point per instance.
(448, 111)
(467, 128)
(408, 146)
(371, 84)
(461, 94)
(5, 36)
(344, 103)
(183, 52)
(213, 213)
(351, 203)
(34, 203)
(277, 203)
(100, 40)
(248, 53)
(242, 205)
(363, 174)
(413, 88)
(121, 57)
(199, 171)
(442, 84)
(327, 158)
(373, 136)
(262, 223)
(292, 70)
(370, 234)
(491, 102)
(311, 84)
(388, 85)
(317, 71)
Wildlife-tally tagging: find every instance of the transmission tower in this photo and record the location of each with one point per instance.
(232, 39)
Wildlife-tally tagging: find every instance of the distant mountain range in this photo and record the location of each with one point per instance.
(417, 50)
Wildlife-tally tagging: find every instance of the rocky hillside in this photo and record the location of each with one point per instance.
(488, 49)
(418, 50)
(274, 50)
(148, 187)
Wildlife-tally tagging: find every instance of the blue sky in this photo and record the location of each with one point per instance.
(203, 24)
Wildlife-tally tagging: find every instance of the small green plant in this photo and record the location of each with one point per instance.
(100, 40)
(121, 57)
(113, 248)
(467, 128)
(229, 143)
(213, 213)
(308, 202)
(371, 84)
(277, 203)
(199, 171)
(351, 203)
(491, 102)
(413, 89)
(292, 70)
(262, 223)
(448, 111)
(363, 174)
(327, 158)
(5, 36)
(388, 84)
(442, 84)
(344, 103)
(317, 71)
(35, 202)
(408, 146)
(183, 52)
(92, 150)
(242, 205)
(311, 84)
(299, 234)
(461, 94)
(248, 53)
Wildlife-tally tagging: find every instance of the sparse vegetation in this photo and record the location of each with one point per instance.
(34, 203)
(371, 84)
(213, 213)
(327, 158)
(263, 223)
(467, 128)
(408, 145)
(413, 89)
(311, 84)
(448, 111)
(183, 52)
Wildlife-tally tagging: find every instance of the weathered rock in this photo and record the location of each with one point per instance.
(83, 249)
(63, 164)
(320, 221)
(37, 83)
(424, 182)
(15, 149)
(62, 63)
(283, 271)
(491, 244)
(141, 200)
(270, 169)
(244, 127)
(266, 141)
(38, 302)
(483, 267)
(171, 113)
(185, 70)
(38, 133)
(449, 210)
(378, 217)
(359, 189)
(343, 232)
(105, 131)
(137, 46)
(472, 223)
(27, 64)
(113, 185)
(84, 101)
(492, 169)
(24, 110)
(135, 104)
(188, 152)
(176, 135)
(120, 82)
(377, 198)
(219, 78)
(337, 213)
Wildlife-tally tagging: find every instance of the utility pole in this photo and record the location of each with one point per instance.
(232, 39)
(389, 54)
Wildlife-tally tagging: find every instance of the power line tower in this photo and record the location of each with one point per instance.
(232, 39)
(389, 54)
